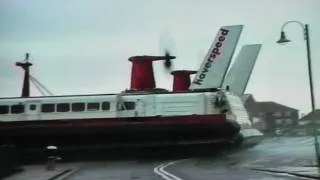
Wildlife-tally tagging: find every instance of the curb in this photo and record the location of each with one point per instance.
(285, 172)
(13, 172)
(55, 177)
(65, 174)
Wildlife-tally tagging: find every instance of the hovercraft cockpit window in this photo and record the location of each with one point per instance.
(105, 106)
(63, 107)
(17, 109)
(93, 106)
(4, 109)
(33, 107)
(77, 107)
(47, 108)
(129, 105)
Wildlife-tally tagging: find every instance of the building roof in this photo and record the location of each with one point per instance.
(250, 104)
(270, 106)
(312, 116)
(245, 97)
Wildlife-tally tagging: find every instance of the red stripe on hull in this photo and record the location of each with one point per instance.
(105, 122)
(118, 130)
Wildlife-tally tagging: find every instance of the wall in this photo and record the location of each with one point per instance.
(8, 161)
(282, 120)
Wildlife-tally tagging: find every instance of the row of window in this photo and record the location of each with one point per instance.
(281, 114)
(283, 121)
(15, 109)
(74, 107)
(65, 107)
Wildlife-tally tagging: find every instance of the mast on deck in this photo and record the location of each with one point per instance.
(26, 81)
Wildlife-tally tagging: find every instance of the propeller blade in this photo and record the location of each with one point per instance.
(167, 46)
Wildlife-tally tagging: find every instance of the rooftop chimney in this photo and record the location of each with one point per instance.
(181, 80)
(142, 76)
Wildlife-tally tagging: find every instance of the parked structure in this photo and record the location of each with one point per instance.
(280, 119)
(271, 117)
(306, 124)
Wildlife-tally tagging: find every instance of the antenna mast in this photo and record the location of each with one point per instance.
(26, 81)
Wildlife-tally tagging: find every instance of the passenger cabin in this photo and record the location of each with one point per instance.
(107, 106)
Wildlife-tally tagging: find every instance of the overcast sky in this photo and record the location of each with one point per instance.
(82, 46)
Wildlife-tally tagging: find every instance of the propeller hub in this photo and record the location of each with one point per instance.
(167, 63)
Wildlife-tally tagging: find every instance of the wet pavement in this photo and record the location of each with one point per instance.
(287, 157)
(39, 172)
(275, 158)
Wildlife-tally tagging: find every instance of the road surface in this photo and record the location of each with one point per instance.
(277, 153)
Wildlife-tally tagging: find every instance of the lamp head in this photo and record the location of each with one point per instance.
(283, 39)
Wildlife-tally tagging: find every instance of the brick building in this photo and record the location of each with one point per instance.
(271, 117)
(280, 119)
(308, 122)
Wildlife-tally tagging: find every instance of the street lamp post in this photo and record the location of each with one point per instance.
(283, 39)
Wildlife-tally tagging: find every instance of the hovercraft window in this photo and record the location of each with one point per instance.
(77, 107)
(63, 107)
(17, 109)
(93, 106)
(47, 108)
(129, 105)
(4, 109)
(33, 107)
(105, 105)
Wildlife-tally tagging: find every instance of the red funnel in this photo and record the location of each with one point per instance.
(181, 80)
(142, 76)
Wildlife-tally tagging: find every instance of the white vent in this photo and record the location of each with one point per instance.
(238, 109)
